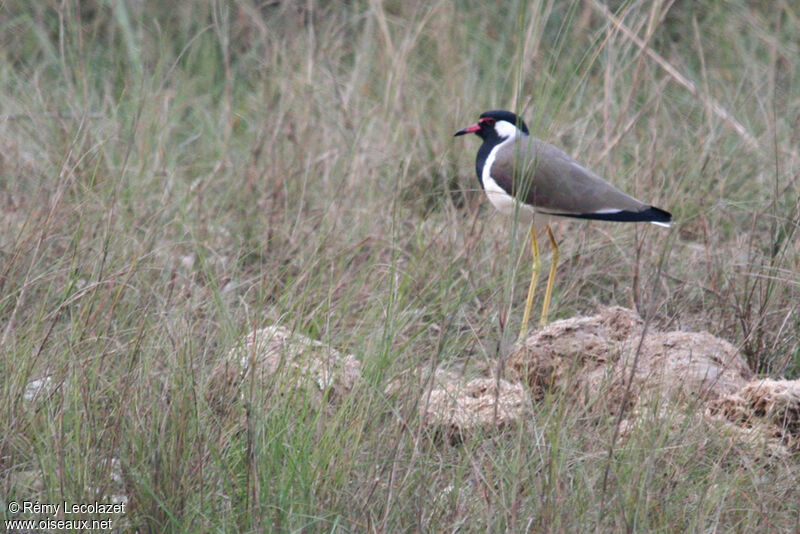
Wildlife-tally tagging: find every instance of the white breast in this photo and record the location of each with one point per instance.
(502, 201)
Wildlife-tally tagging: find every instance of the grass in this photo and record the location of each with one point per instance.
(173, 176)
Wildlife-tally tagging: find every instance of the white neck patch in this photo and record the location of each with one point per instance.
(505, 130)
(501, 200)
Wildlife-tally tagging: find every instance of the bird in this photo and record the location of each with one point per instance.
(525, 176)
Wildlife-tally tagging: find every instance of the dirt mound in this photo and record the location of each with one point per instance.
(276, 358)
(769, 406)
(456, 403)
(594, 356)
(457, 407)
(589, 360)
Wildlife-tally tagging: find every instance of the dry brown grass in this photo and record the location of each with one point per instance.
(175, 176)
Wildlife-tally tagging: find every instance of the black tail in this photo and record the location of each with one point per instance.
(651, 214)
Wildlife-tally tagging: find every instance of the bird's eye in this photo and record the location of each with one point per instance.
(489, 121)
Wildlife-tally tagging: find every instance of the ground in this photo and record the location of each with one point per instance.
(182, 182)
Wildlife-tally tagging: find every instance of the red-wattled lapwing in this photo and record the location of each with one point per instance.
(525, 175)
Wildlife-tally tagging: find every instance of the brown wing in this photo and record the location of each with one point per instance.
(554, 182)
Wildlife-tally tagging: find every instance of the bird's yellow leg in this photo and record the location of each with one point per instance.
(532, 288)
(550, 279)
